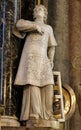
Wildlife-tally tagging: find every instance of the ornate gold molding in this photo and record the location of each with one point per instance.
(69, 99)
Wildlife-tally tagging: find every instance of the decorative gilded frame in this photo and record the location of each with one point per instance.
(68, 102)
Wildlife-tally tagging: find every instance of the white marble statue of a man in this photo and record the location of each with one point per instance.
(35, 67)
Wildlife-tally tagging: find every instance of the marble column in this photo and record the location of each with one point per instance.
(58, 19)
(75, 42)
(45, 3)
(75, 57)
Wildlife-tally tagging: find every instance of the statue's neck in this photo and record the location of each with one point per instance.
(39, 20)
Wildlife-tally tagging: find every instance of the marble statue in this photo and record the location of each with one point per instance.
(36, 65)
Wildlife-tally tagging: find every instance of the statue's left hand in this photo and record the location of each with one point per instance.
(52, 64)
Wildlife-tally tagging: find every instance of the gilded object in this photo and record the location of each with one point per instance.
(69, 102)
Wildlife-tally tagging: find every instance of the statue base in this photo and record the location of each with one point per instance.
(10, 121)
(43, 123)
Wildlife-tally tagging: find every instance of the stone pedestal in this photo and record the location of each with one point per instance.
(9, 121)
(43, 124)
(13, 128)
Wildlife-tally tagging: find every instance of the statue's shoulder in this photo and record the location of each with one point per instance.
(49, 27)
(21, 20)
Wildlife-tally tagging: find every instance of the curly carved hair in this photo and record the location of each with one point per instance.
(45, 11)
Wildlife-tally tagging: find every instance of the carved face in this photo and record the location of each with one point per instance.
(39, 12)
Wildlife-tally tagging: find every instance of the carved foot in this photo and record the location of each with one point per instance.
(34, 117)
(33, 120)
(43, 123)
(52, 118)
(32, 123)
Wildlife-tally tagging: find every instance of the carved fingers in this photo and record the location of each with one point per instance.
(39, 29)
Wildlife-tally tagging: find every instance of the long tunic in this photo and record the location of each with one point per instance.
(34, 67)
(35, 70)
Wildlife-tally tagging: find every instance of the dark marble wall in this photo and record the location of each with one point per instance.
(58, 19)
(75, 59)
(65, 18)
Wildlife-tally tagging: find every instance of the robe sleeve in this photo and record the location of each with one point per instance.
(25, 25)
(22, 27)
(18, 33)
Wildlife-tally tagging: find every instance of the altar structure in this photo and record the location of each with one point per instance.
(10, 51)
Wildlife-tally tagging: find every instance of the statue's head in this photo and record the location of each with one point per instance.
(40, 11)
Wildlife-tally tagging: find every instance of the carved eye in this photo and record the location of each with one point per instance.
(40, 9)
